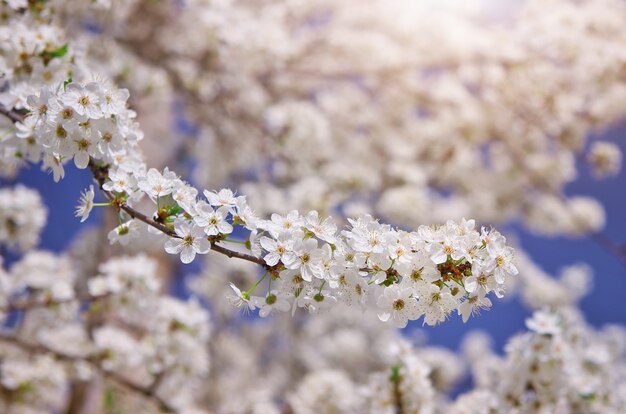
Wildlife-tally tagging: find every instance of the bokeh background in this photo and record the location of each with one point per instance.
(509, 112)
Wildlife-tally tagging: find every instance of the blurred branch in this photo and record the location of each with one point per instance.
(124, 383)
(12, 114)
(28, 304)
(396, 379)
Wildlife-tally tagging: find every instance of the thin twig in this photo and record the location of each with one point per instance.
(99, 174)
(27, 304)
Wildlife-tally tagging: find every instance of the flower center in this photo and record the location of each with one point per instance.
(67, 113)
(416, 274)
(270, 299)
(82, 144)
(61, 132)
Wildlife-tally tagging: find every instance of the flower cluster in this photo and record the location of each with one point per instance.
(309, 264)
(605, 159)
(66, 120)
(175, 331)
(37, 383)
(79, 122)
(22, 217)
(377, 369)
(129, 332)
(562, 365)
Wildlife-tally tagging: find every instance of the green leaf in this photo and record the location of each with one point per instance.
(109, 401)
(588, 396)
(37, 6)
(395, 373)
(95, 307)
(174, 209)
(59, 52)
(56, 53)
(67, 82)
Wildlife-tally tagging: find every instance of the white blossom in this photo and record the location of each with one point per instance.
(191, 241)
(544, 323)
(398, 305)
(125, 233)
(85, 204)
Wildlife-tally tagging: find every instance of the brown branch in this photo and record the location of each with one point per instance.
(99, 174)
(121, 381)
(137, 214)
(12, 114)
(396, 379)
(27, 304)
(232, 253)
